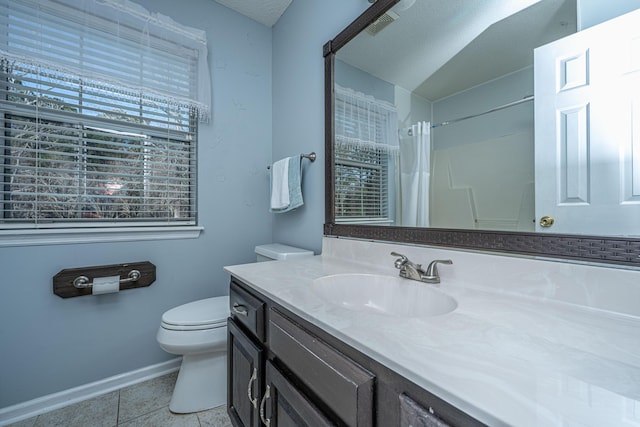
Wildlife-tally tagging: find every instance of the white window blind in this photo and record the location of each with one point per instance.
(366, 141)
(100, 112)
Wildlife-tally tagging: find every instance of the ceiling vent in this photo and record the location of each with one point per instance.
(382, 22)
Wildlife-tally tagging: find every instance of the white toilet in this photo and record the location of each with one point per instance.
(198, 331)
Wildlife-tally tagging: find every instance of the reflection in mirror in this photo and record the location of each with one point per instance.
(586, 89)
(434, 114)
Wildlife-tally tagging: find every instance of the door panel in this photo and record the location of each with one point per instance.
(587, 147)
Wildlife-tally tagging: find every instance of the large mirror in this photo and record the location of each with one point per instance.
(437, 120)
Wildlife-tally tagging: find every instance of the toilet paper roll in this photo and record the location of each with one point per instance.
(105, 285)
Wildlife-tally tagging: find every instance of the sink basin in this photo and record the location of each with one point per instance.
(380, 294)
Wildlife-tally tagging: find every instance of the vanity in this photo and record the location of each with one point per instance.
(529, 343)
(285, 370)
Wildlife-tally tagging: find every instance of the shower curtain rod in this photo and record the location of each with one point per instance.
(501, 107)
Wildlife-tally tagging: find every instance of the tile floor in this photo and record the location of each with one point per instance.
(140, 405)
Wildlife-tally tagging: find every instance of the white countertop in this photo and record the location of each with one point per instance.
(531, 342)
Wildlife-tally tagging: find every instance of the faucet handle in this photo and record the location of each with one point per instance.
(432, 270)
(400, 261)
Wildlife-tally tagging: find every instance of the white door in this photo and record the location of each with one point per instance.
(587, 130)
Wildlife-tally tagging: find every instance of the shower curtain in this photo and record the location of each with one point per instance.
(414, 175)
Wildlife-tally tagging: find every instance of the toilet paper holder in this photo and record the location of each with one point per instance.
(82, 282)
(77, 282)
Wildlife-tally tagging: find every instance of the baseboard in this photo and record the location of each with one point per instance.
(32, 408)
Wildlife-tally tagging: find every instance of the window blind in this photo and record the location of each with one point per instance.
(361, 185)
(80, 148)
(365, 144)
(112, 45)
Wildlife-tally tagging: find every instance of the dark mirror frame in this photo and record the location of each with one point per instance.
(600, 249)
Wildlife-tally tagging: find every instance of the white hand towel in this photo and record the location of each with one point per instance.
(280, 184)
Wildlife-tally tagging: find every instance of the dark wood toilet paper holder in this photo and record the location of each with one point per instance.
(76, 282)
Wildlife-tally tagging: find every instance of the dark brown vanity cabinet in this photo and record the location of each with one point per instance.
(279, 374)
(245, 360)
(286, 406)
(340, 386)
(245, 357)
(284, 371)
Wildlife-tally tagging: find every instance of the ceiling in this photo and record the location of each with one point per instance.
(436, 49)
(267, 12)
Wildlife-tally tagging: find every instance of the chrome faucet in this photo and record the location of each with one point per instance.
(410, 270)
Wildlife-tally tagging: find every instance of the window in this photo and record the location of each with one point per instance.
(366, 146)
(361, 184)
(100, 119)
(74, 155)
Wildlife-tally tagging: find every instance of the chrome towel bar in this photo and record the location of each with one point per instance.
(311, 156)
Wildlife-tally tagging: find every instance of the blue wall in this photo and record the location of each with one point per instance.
(503, 90)
(49, 344)
(354, 78)
(298, 105)
(594, 12)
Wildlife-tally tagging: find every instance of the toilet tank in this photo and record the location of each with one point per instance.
(278, 251)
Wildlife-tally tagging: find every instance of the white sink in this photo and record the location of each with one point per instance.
(380, 294)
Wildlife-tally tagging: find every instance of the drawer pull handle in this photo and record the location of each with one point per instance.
(240, 309)
(267, 395)
(254, 401)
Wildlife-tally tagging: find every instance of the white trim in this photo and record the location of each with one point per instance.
(32, 408)
(365, 221)
(95, 235)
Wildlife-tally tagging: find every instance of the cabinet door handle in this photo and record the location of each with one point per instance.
(267, 394)
(254, 401)
(239, 309)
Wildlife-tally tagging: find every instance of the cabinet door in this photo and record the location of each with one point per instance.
(245, 361)
(341, 384)
(283, 405)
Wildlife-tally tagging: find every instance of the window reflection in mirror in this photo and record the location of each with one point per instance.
(416, 140)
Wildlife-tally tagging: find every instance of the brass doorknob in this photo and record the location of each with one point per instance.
(546, 221)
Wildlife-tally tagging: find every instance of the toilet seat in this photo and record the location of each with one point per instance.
(209, 313)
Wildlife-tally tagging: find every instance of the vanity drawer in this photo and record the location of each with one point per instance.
(339, 382)
(246, 309)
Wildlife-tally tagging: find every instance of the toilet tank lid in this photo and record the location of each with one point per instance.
(210, 311)
(280, 251)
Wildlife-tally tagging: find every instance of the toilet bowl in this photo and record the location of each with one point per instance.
(198, 332)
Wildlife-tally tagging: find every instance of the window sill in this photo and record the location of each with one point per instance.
(365, 221)
(95, 235)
